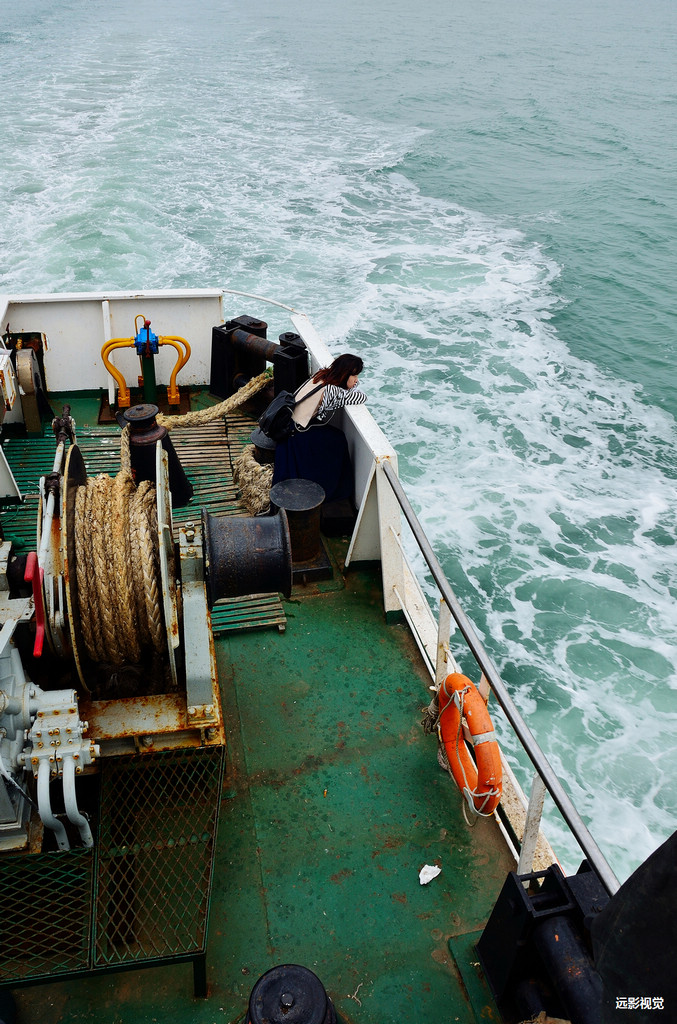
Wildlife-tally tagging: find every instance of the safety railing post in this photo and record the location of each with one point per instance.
(391, 551)
(532, 826)
(443, 634)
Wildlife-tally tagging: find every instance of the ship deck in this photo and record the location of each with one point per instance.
(333, 800)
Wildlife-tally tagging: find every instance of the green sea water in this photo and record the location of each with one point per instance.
(480, 198)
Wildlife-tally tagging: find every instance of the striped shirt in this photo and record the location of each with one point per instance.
(335, 398)
(320, 406)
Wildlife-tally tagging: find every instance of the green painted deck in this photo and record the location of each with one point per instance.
(333, 801)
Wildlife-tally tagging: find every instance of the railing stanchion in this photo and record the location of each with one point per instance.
(443, 634)
(532, 826)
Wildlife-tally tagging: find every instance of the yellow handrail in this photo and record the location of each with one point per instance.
(173, 396)
(123, 390)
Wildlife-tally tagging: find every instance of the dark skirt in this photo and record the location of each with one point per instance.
(319, 454)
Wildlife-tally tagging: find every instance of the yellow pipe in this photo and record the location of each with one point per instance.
(123, 391)
(181, 341)
(173, 396)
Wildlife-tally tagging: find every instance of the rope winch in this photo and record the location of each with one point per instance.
(124, 596)
(109, 568)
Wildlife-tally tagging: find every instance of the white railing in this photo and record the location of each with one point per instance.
(545, 779)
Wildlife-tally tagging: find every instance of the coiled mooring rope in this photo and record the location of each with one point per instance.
(254, 481)
(118, 565)
(117, 550)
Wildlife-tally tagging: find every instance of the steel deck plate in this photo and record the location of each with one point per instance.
(333, 801)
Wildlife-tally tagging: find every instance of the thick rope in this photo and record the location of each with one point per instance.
(118, 566)
(431, 715)
(194, 419)
(125, 451)
(117, 552)
(254, 481)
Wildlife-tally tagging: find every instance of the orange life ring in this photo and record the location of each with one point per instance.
(481, 785)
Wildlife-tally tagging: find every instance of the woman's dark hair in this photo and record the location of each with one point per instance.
(343, 367)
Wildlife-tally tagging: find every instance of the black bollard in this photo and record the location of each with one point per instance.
(144, 433)
(290, 994)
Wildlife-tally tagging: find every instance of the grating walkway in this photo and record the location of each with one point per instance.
(155, 830)
(207, 454)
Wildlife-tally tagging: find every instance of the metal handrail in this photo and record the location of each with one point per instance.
(543, 767)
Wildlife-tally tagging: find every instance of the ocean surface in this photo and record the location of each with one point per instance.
(480, 198)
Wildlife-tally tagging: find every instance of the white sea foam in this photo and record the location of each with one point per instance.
(148, 158)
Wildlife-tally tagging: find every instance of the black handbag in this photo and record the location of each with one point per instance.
(276, 421)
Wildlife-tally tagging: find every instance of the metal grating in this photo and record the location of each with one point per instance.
(46, 914)
(159, 817)
(142, 893)
(207, 454)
